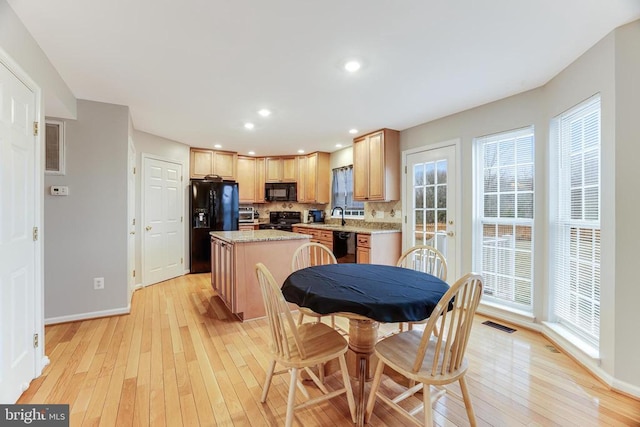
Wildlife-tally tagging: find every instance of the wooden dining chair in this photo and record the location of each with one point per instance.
(308, 255)
(298, 347)
(430, 360)
(426, 259)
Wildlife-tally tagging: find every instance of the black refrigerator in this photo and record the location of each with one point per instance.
(213, 206)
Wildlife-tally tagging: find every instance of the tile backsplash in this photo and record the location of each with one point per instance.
(375, 212)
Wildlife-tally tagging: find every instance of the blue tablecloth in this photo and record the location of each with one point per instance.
(379, 292)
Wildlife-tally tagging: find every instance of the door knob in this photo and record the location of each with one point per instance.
(451, 234)
(148, 227)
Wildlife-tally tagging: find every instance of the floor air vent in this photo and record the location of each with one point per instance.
(499, 326)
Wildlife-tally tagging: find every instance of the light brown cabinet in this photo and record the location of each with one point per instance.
(251, 179)
(222, 276)
(260, 180)
(317, 235)
(247, 179)
(281, 169)
(376, 166)
(210, 162)
(378, 248)
(313, 178)
(371, 248)
(248, 227)
(302, 178)
(363, 249)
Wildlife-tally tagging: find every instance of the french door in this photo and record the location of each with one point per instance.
(430, 202)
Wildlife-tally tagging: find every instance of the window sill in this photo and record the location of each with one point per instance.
(570, 342)
(508, 314)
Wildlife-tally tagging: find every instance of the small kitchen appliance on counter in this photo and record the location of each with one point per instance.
(316, 215)
(247, 214)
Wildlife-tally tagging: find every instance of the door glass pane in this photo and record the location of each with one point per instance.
(442, 172)
(430, 204)
(430, 177)
(418, 175)
(419, 199)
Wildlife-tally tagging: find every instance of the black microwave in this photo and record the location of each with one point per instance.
(281, 192)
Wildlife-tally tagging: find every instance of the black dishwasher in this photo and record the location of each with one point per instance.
(344, 246)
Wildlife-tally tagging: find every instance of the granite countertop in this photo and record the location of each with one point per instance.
(256, 236)
(347, 228)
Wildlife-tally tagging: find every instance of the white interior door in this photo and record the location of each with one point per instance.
(430, 202)
(131, 219)
(17, 245)
(162, 225)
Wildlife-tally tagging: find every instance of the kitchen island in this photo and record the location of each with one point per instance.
(234, 255)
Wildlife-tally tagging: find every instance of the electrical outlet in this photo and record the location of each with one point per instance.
(98, 283)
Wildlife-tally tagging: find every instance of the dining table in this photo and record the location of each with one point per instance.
(366, 294)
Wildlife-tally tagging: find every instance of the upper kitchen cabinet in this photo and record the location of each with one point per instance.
(281, 169)
(376, 166)
(210, 162)
(313, 178)
(251, 179)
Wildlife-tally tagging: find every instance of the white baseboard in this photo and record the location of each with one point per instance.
(85, 316)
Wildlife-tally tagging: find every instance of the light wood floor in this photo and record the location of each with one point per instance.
(179, 359)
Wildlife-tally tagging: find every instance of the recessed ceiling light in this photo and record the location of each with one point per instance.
(248, 125)
(217, 146)
(251, 153)
(300, 151)
(264, 112)
(339, 145)
(353, 131)
(352, 66)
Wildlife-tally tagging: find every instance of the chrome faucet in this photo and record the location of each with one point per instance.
(341, 212)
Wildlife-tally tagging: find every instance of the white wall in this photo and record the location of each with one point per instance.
(16, 41)
(627, 177)
(611, 69)
(86, 232)
(166, 149)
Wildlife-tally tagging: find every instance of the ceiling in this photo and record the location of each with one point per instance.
(195, 71)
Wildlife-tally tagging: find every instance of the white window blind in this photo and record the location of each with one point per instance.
(504, 226)
(575, 257)
(342, 192)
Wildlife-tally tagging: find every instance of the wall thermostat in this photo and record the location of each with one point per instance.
(59, 190)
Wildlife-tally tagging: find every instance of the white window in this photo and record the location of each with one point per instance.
(575, 255)
(503, 252)
(342, 193)
(54, 147)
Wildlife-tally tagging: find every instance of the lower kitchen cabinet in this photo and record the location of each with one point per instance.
(371, 248)
(378, 248)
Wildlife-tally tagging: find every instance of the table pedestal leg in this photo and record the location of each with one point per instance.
(362, 340)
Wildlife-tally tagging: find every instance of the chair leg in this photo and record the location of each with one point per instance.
(467, 401)
(374, 389)
(347, 384)
(300, 319)
(333, 322)
(321, 372)
(428, 410)
(267, 381)
(291, 400)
